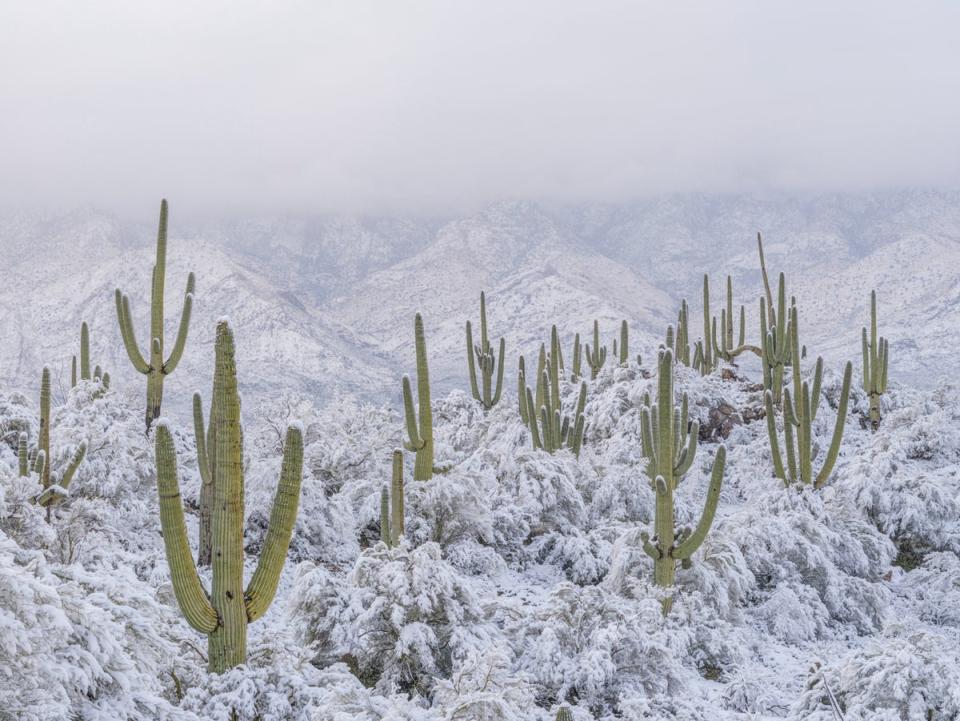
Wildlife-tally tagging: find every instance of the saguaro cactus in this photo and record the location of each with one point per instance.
(876, 357)
(391, 505)
(420, 434)
(206, 444)
(799, 412)
(576, 363)
(84, 365)
(551, 429)
(484, 391)
(669, 447)
(53, 490)
(224, 613)
(724, 347)
(775, 335)
(597, 355)
(157, 368)
(624, 344)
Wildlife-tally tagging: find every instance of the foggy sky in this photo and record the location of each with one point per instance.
(441, 107)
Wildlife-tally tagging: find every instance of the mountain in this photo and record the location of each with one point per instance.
(324, 306)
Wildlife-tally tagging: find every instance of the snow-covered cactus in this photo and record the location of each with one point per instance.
(577, 362)
(23, 455)
(678, 337)
(224, 613)
(206, 445)
(157, 368)
(550, 428)
(669, 447)
(420, 433)
(53, 490)
(723, 347)
(596, 356)
(84, 365)
(624, 344)
(799, 412)
(391, 505)
(707, 360)
(485, 391)
(775, 337)
(876, 356)
(564, 714)
(522, 390)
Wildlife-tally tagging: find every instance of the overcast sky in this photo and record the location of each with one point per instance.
(441, 107)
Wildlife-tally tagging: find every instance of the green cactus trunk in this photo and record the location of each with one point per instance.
(391, 505)
(669, 447)
(420, 434)
(624, 344)
(224, 614)
(156, 369)
(485, 392)
(876, 358)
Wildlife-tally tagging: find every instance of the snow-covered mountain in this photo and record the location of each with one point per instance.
(325, 306)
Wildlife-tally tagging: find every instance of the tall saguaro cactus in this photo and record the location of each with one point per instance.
(420, 434)
(53, 491)
(876, 357)
(597, 355)
(798, 416)
(391, 505)
(775, 336)
(624, 344)
(724, 347)
(669, 447)
(224, 613)
(157, 368)
(485, 392)
(84, 365)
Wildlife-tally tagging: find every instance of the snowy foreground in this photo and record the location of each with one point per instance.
(521, 585)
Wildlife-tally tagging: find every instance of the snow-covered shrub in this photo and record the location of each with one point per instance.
(406, 618)
(934, 590)
(793, 538)
(906, 675)
(80, 644)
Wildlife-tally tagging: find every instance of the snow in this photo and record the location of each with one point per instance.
(520, 584)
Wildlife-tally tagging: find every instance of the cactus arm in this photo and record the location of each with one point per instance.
(397, 501)
(385, 516)
(416, 442)
(191, 597)
(73, 465)
(532, 422)
(499, 386)
(815, 389)
(84, 351)
(23, 458)
(693, 541)
(743, 328)
(689, 451)
(778, 469)
(471, 364)
(40, 462)
(181, 342)
(283, 516)
(805, 435)
(834, 449)
(127, 334)
(766, 279)
(522, 391)
(73, 372)
(44, 441)
(867, 385)
(578, 430)
(648, 547)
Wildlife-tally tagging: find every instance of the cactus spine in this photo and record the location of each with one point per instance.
(799, 413)
(876, 357)
(669, 448)
(596, 356)
(663, 438)
(156, 369)
(224, 614)
(483, 352)
(391, 505)
(420, 435)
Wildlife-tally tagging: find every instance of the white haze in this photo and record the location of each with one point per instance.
(445, 106)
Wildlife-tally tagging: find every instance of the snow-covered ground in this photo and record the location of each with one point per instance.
(521, 585)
